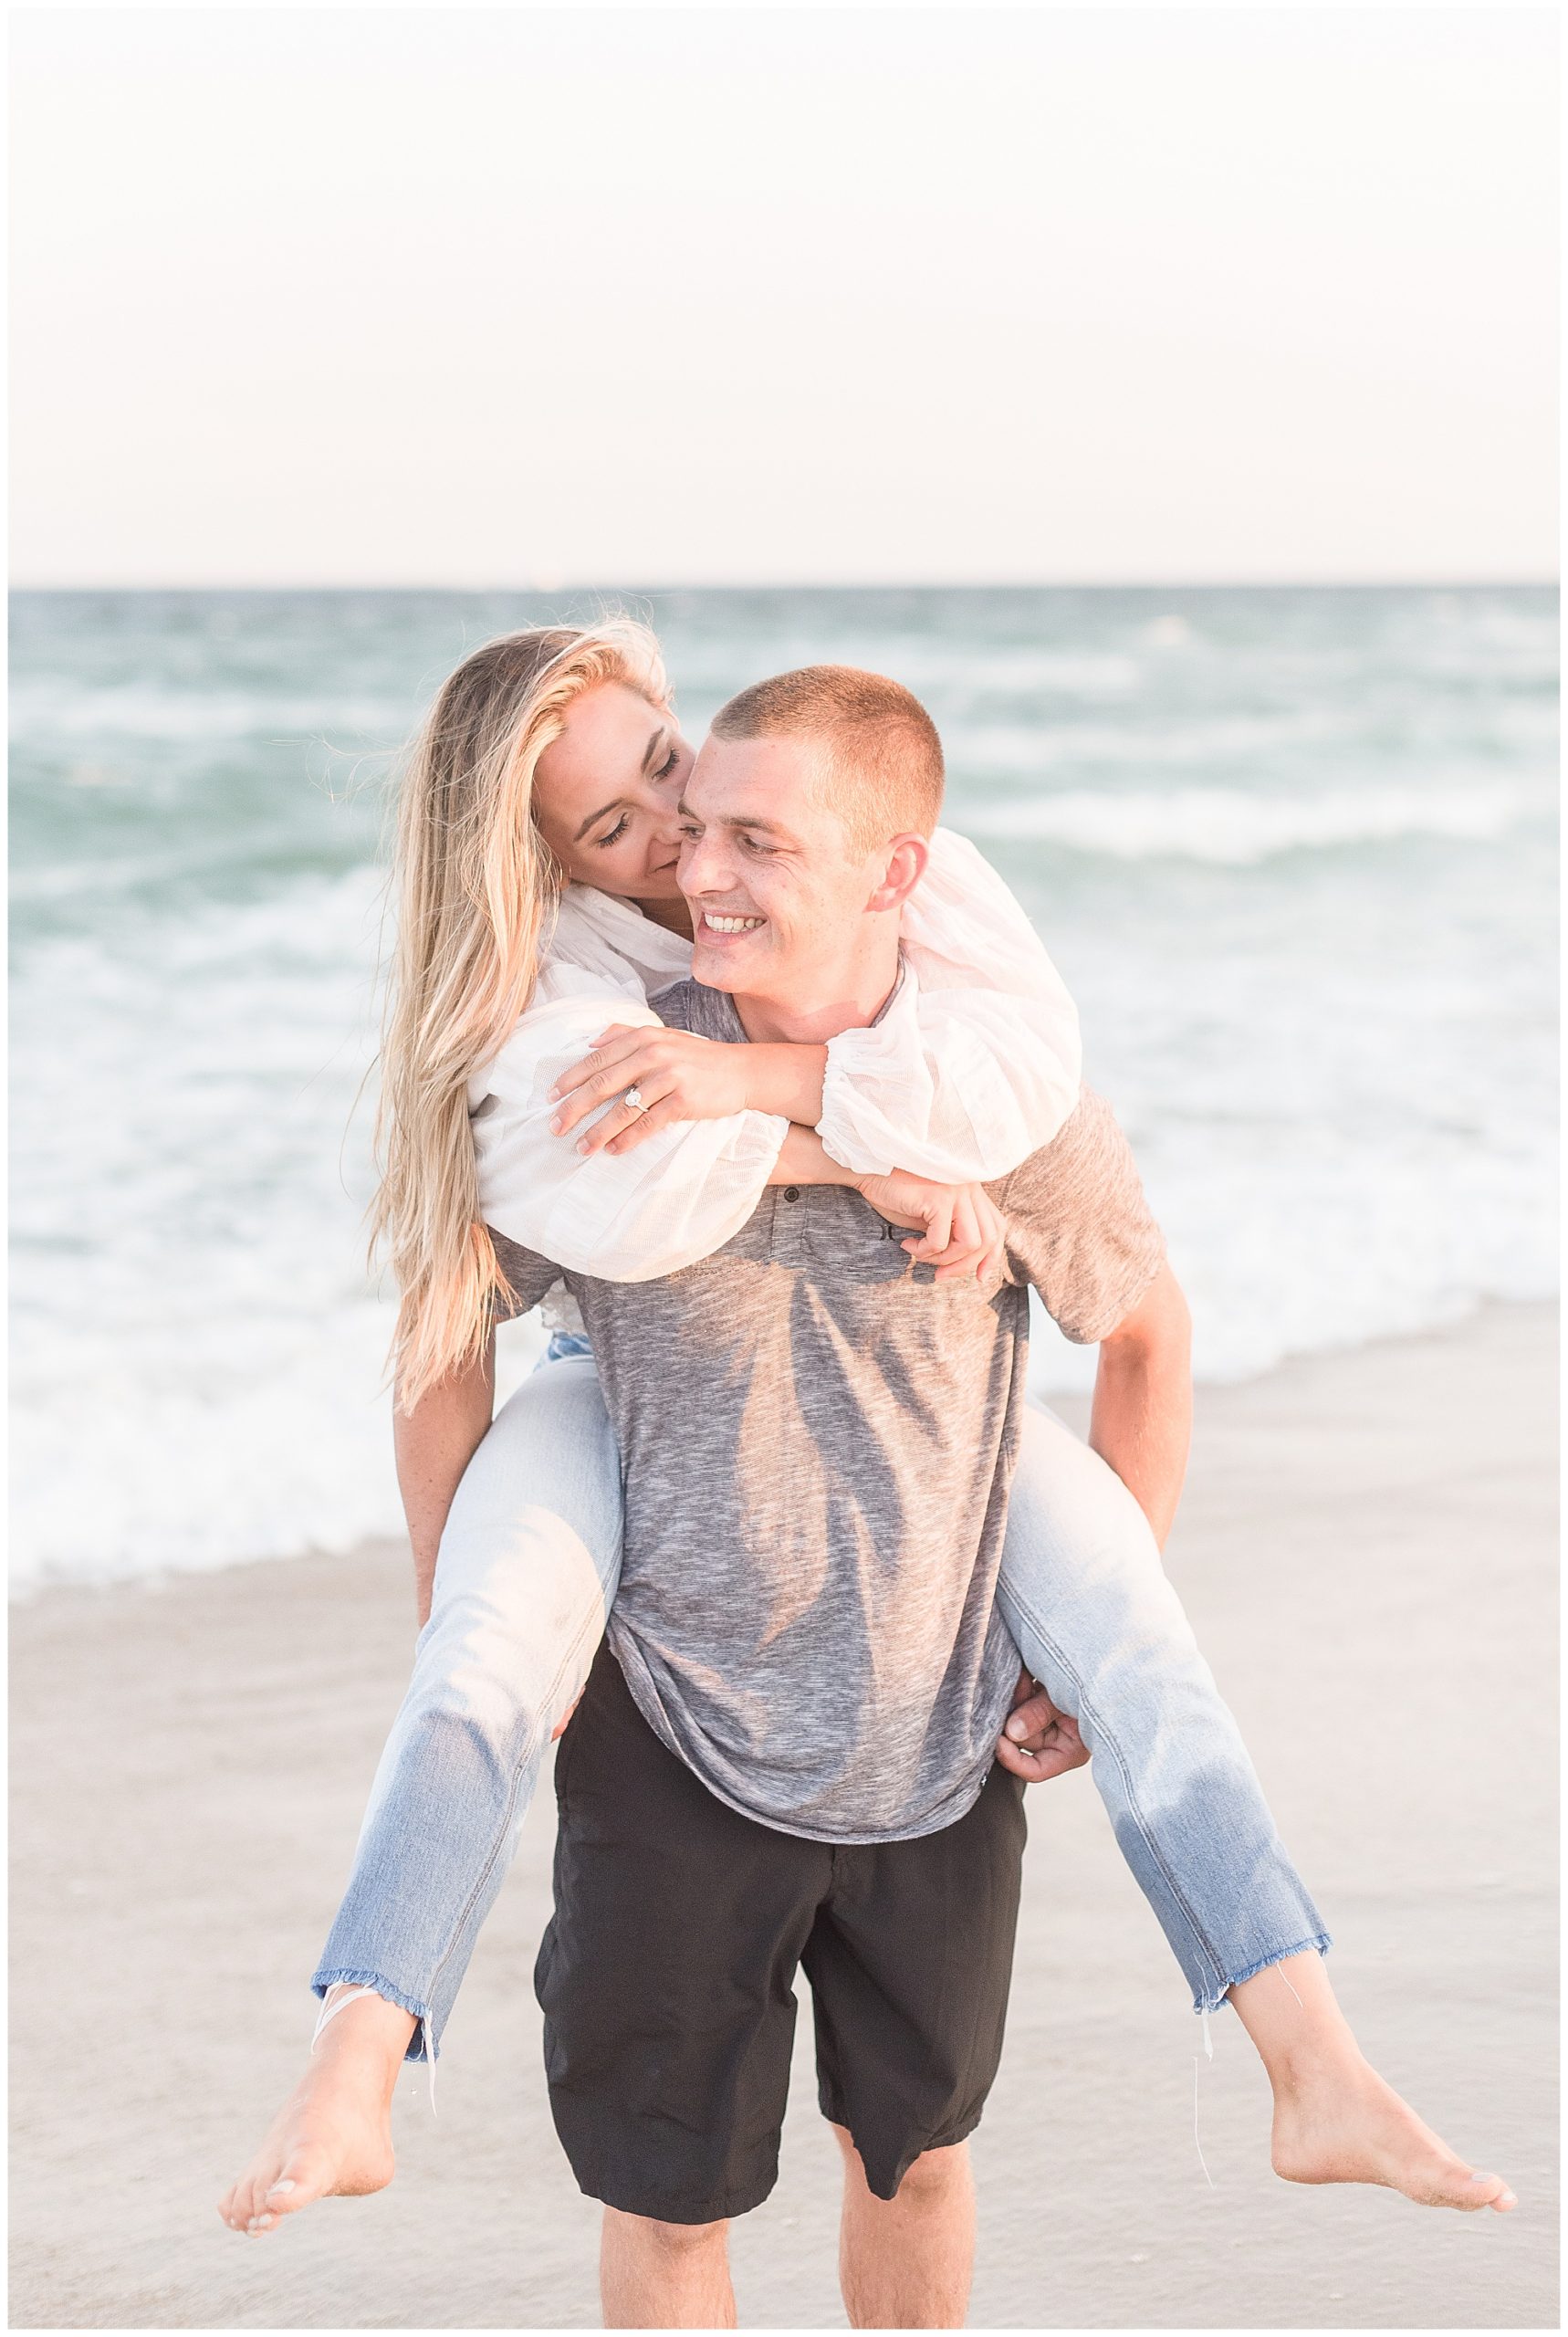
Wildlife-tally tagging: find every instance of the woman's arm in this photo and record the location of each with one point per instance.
(434, 1444)
(681, 1076)
(957, 1229)
(678, 1198)
(686, 1186)
(973, 1065)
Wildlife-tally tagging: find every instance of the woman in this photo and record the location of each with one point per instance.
(538, 850)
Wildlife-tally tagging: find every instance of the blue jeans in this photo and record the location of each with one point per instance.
(524, 1583)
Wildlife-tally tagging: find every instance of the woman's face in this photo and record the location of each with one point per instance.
(605, 793)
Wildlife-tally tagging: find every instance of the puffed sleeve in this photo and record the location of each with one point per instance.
(630, 1217)
(976, 1063)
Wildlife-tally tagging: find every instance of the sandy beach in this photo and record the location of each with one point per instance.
(1368, 1550)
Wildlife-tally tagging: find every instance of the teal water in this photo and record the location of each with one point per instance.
(1293, 850)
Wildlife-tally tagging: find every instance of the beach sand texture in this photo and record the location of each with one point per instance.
(1367, 1549)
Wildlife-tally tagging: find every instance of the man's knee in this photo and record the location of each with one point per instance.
(935, 2174)
(676, 2243)
(932, 2177)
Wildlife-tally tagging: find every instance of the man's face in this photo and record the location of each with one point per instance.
(776, 888)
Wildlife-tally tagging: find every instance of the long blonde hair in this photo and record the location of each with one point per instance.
(476, 888)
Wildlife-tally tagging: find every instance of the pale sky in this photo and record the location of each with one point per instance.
(514, 295)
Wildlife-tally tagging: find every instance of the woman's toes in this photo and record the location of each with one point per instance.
(246, 2205)
(290, 2191)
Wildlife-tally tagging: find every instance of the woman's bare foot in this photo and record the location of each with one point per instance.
(1343, 2124)
(1335, 2121)
(332, 2137)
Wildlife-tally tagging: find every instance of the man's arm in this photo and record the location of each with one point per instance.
(434, 1444)
(1142, 1417)
(1080, 1229)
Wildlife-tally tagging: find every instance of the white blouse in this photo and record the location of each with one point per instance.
(975, 1065)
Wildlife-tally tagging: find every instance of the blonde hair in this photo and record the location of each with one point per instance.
(884, 771)
(476, 888)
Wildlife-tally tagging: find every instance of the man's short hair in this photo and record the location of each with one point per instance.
(883, 756)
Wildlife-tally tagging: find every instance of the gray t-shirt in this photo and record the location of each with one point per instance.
(816, 1440)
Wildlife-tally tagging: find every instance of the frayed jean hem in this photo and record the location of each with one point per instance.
(418, 2013)
(1204, 2001)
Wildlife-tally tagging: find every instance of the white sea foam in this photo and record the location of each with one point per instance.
(1234, 829)
(139, 711)
(202, 1351)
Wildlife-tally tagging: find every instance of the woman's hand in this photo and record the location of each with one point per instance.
(964, 1231)
(678, 1076)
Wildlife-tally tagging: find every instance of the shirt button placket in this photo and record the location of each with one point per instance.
(789, 1225)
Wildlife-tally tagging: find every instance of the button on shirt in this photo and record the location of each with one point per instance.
(816, 1440)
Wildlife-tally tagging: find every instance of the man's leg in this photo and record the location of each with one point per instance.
(909, 1961)
(908, 2262)
(665, 2276)
(666, 1979)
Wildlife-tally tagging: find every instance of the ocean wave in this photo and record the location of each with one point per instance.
(44, 712)
(1236, 830)
(1336, 1079)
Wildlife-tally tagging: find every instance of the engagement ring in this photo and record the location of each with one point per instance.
(633, 1099)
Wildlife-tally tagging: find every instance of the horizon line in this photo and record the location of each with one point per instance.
(553, 585)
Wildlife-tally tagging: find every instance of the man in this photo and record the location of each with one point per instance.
(784, 1756)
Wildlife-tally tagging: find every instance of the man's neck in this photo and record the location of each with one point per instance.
(849, 998)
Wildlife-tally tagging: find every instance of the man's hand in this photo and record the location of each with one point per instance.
(1038, 1742)
(962, 1232)
(679, 1075)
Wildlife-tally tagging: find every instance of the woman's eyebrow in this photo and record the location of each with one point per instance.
(603, 813)
(652, 746)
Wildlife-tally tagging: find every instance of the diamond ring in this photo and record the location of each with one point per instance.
(633, 1099)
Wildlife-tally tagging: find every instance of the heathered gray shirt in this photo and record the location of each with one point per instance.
(816, 1442)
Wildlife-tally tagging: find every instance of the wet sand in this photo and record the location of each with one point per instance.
(1368, 1551)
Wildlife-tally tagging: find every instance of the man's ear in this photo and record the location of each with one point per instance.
(903, 868)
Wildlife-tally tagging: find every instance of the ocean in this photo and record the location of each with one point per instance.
(1293, 850)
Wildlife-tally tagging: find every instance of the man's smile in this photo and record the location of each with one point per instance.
(712, 922)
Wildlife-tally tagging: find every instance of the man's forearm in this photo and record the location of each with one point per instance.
(1142, 1417)
(434, 1444)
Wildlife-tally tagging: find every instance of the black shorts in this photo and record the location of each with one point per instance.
(666, 1976)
